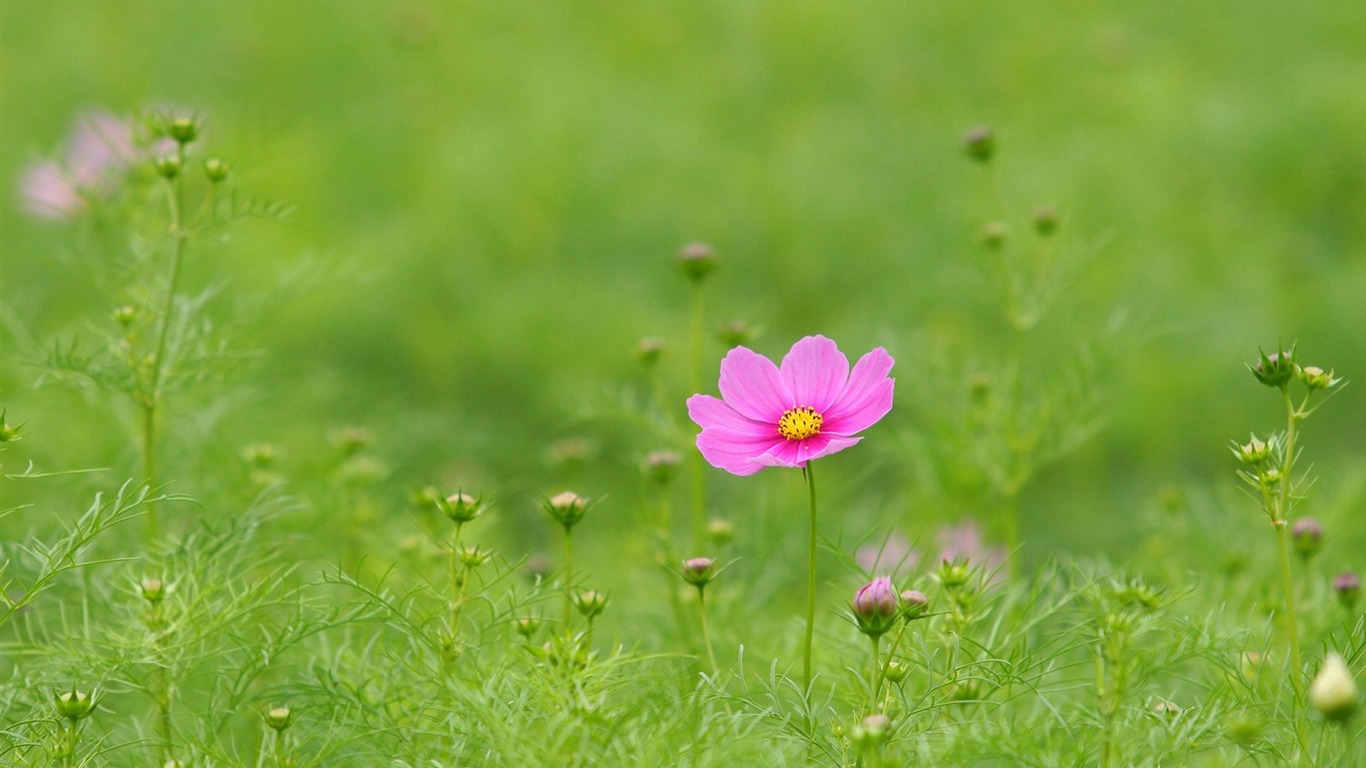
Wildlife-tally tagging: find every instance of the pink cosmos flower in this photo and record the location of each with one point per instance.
(99, 148)
(784, 416)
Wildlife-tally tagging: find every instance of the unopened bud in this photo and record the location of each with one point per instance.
(876, 607)
(474, 556)
(874, 731)
(125, 315)
(1307, 534)
(527, 626)
(1045, 219)
(8, 434)
(589, 603)
(566, 508)
(736, 333)
(896, 671)
(152, 590)
(460, 507)
(1252, 452)
(1334, 692)
(980, 143)
(649, 351)
(1347, 585)
(720, 530)
(1314, 377)
(914, 603)
(660, 466)
(1275, 369)
(215, 170)
(279, 718)
(1166, 710)
(699, 571)
(697, 260)
(183, 129)
(168, 166)
(74, 704)
(993, 234)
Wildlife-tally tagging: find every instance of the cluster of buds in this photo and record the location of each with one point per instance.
(1278, 368)
(878, 607)
(566, 508)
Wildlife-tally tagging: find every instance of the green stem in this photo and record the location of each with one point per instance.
(568, 575)
(706, 634)
(151, 399)
(457, 583)
(810, 580)
(72, 739)
(876, 677)
(1287, 584)
(699, 486)
(280, 761)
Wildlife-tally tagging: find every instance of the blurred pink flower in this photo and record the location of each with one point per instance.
(964, 543)
(888, 556)
(772, 416)
(98, 151)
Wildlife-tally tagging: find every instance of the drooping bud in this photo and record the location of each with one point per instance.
(697, 259)
(279, 718)
(980, 143)
(699, 571)
(1347, 585)
(589, 603)
(1334, 691)
(73, 704)
(876, 607)
(566, 508)
(1275, 369)
(1307, 534)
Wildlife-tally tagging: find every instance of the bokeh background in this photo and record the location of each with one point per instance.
(487, 198)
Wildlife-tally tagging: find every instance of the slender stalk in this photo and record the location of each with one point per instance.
(72, 738)
(457, 580)
(699, 483)
(876, 677)
(280, 757)
(706, 633)
(810, 580)
(152, 397)
(1287, 584)
(568, 575)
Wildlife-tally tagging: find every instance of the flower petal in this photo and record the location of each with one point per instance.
(795, 453)
(708, 411)
(734, 451)
(751, 384)
(866, 398)
(815, 372)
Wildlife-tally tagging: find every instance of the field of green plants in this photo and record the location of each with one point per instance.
(697, 384)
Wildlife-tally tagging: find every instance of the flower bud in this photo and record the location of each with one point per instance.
(896, 671)
(460, 507)
(1045, 219)
(566, 508)
(8, 434)
(736, 333)
(660, 466)
(1166, 710)
(589, 603)
(699, 571)
(876, 607)
(954, 575)
(215, 170)
(1250, 664)
(74, 704)
(649, 351)
(125, 315)
(279, 718)
(914, 603)
(350, 440)
(1271, 476)
(1334, 692)
(152, 590)
(527, 626)
(1307, 536)
(993, 234)
(980, 143)
(1314, 377)
(1274, 370)
(168, 166)
(259, 455)
(697, 260)
(1347, 585)
(720, 530)
(1252, 452)
(872, 732)
(183, 129)
(474, 556)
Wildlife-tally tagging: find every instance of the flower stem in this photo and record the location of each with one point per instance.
(1287, 584)
(706, 634)
(810, 580)
(699, 483)
(151, 398)
(568, 574)
(876, 677)
(457, 581)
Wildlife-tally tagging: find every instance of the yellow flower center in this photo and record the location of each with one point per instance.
(800, 423)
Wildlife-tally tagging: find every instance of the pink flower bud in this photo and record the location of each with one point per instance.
(876, 606)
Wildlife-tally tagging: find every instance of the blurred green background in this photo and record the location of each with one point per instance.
(487, 198)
